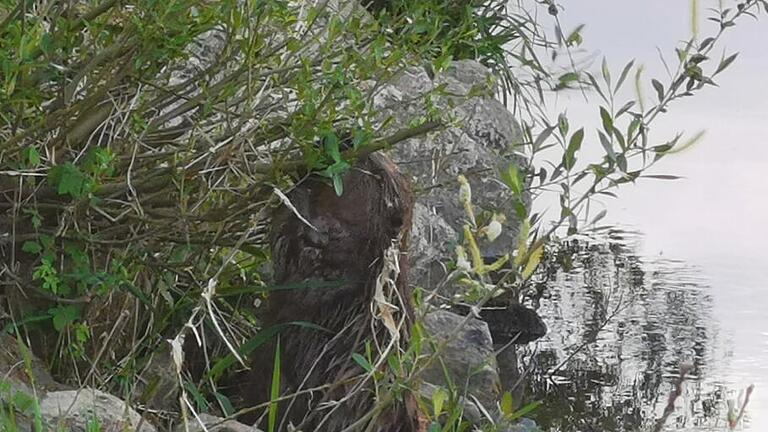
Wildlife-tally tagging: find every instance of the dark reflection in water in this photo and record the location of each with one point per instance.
(620, 327)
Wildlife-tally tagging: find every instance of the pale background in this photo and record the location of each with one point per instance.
(714, 218)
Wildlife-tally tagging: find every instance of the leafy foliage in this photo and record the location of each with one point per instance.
(144, 141)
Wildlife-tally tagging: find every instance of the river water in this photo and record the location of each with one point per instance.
(621, 325)
(680, 277)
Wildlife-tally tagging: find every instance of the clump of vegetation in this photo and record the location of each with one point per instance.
(143, 145)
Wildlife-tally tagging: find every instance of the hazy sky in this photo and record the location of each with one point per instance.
(725, 194)
(716, 217)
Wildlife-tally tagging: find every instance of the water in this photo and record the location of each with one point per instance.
(690, 259)
(621, 326)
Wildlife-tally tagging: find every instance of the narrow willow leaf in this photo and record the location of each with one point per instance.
(569, 158)
(623, 75)
(620, 138)
(598, 217)
(568, 77)
(626, 107)
(659, 87)
(690, 142)
(607, 121)
(562, 124)
(606, 73)
(533, 262)
(661, 177)
(542, 138)
(706, 43)
(725, 63)
(639, 87)
(606, 143)
(596, 86)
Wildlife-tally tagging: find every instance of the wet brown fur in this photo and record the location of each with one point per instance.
(352, 232)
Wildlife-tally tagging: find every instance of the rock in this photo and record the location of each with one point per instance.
(59, 407)
(432, 243)
(15, 374)
(467, 357)
(524, 425)
(480, 145)
(74, 409)
(215, 424)
(158, 386)
(513, 323)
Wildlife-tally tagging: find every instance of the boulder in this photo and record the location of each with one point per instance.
(26, 384)
(466, 357)
(214, 424)
(76, 409)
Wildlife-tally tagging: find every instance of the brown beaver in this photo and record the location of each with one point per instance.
(343, 248)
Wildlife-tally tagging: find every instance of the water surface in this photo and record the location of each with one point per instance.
(621, 326)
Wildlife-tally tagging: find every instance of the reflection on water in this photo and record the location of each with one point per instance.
(620, 327)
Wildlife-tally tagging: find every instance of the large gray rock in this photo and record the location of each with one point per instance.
(74, 409)
(25, 381)
(214, 424)
(432, 244)
(482, 142)
(157, 386)
(14, 373)
(466, 359)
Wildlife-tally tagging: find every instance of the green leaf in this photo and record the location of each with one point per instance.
(31, 156)
(661, 176)
(639, 87)
(569, 158)
(562, 124)
(659, 87)
(533, 262)
(513, 179)
(607, 145)
(623, 75)
(596, 86)
(725, 63)
(200, 402)
(226, 405)
(69, 180)
(63, 316)
(705, 43)
(262, 337)
(32, 247)
(568, 77)
(274, 392)
(332, 146)
(525, 410)
(543, 137)
(606, 73)
(506, 405)
(575, 37)
(338, 185)
(607, 121)
(598, 217)
(439, 396)
(362, 362)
